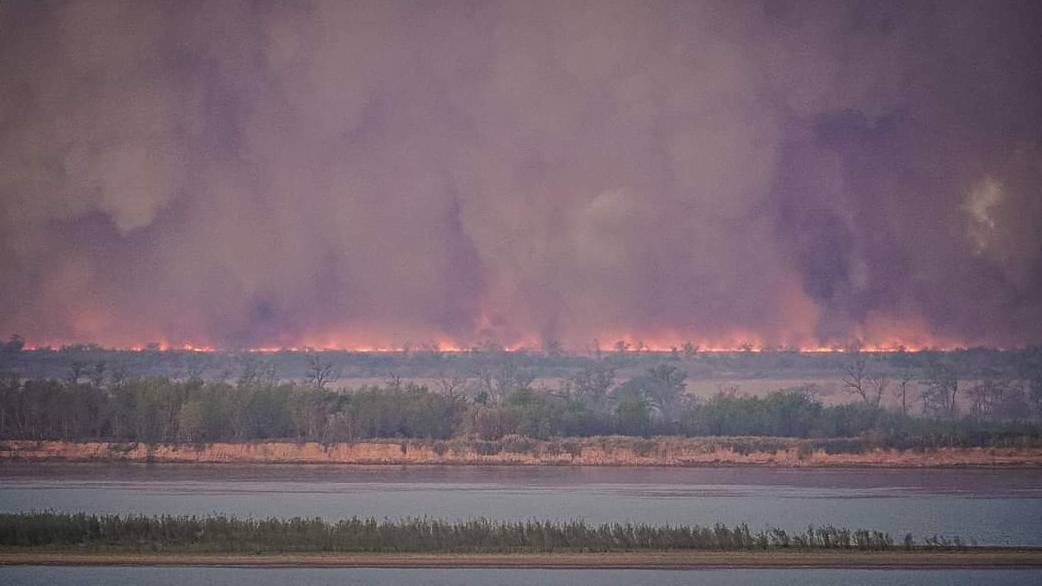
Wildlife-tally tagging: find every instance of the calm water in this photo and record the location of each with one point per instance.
(59, 576)
(991, 506)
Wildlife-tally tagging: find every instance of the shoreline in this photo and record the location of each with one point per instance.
(679, 560)
(595, 451)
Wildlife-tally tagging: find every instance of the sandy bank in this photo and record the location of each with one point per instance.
(982, 558)
(603, 451)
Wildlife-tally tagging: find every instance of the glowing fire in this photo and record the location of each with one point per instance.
(601, 345)
(878, 332)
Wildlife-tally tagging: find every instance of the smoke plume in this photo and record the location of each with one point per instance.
(369, 174)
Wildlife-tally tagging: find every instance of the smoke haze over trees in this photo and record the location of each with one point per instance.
(366, 174)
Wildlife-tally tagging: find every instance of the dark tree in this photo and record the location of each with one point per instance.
(858, 381)
(592, 384)
(14, 344)
(320, 372)
(901, 390)
(942, 388)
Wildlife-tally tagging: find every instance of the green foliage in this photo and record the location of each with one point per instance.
(633, 416)
(592, 384)
(230, 534)
(660, 389)
(407, 411)
(792, 413)
(796, 413)
(156, 409)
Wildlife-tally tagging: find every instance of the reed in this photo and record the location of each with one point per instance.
(230, 534)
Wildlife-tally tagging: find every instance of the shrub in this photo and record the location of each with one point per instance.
(517, 444)
(483, 448)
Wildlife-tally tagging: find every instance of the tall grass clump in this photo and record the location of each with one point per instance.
(230, 534)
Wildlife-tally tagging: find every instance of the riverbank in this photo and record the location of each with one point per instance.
(596, 451)
(970, 558)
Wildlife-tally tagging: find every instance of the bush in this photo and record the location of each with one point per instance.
(483, 448)
(517, 444)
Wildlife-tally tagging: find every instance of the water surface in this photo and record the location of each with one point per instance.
(1002, 507)
(181, 576)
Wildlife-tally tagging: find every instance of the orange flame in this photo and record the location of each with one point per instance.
(601, 344)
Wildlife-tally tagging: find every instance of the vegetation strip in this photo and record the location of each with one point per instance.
(515, 450)
(655, 403)
(221, 534)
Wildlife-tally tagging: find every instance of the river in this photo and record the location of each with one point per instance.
(993, 507)
(179, 576)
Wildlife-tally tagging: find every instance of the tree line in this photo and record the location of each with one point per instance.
(259, 407)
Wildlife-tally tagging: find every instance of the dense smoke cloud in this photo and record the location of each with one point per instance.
(376, 173)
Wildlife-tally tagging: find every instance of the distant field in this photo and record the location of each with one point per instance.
(827, 388)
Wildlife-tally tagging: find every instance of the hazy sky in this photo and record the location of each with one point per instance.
(374, 173)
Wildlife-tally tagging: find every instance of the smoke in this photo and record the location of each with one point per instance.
(377, 173)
